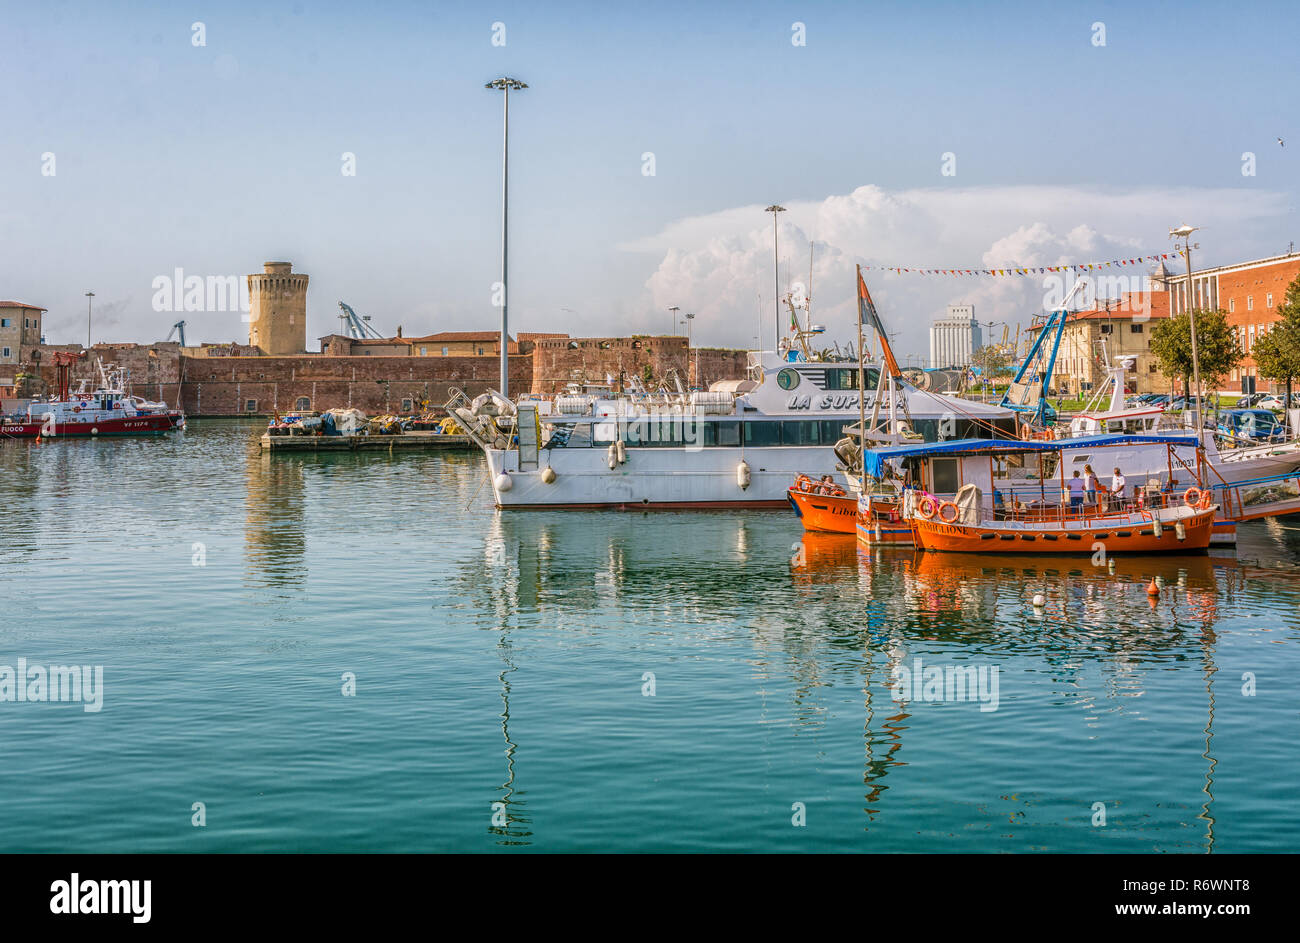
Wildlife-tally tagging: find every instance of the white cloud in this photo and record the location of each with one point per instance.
(718, 264)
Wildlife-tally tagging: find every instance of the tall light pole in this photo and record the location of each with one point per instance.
(674, 309)
(690, 317)
(776, 270)
(1184, 232)
(505, 84)
(89, 301)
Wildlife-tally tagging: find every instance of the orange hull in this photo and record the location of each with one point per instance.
(825, 513)
(1118, 537)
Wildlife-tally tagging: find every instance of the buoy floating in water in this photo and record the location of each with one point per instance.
(1152, 588)
(1039, 600)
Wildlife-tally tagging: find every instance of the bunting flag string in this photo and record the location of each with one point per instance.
(1077, 267)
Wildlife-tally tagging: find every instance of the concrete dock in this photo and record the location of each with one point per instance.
(418, 440)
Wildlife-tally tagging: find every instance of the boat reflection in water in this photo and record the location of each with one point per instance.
(793, 626)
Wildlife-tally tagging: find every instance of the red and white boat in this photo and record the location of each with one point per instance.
(107, 410)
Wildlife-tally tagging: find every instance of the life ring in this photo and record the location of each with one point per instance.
(943, 509)
(803, 483)
(1192, 496)
(1205, 500)
(77, 408)
(926, 507)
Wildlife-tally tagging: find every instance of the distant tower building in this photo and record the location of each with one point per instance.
(955, 337)
(278, 310)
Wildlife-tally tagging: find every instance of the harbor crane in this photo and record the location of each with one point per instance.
(177, 331)
(356, 326)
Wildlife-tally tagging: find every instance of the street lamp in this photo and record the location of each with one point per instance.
(1184, 233)
(505, 84)
(89, 295)
(674, 309)
(776, 270)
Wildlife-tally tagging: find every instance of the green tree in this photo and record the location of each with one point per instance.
(1277, 353)
(1216, 344)
(993, 361)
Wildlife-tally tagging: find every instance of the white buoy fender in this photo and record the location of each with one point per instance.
(621, 452)
(1040, 601)
(1157, 527)
(548, 475)
(742, 475)
(503, 482)
(1180, 530)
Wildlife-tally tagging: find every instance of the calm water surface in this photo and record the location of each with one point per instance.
(503, 664)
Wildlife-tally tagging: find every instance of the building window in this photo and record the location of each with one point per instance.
(1105, 329)
(407, 405)
(1250, 338)
(424, 351)
(4, 351)
(1135, 328)
(1268, 300)
(1232, 305)
(444, 351)
(1152, 368)
(480, 351)
(1250, 302)
(304, 402)
(250, 405)
(4, 322)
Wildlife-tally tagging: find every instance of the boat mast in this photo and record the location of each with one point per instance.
(862, 400)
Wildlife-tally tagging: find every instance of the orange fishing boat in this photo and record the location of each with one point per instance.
(1171, 529)
(822, 506)
(1000, 501)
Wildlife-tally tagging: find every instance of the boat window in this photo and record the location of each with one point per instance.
(841, 378)
(1049, 462)
(943, 475)
(726, 434)
(760, 433)
(801, 432)
(832, 430)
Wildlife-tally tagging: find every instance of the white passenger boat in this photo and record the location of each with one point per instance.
(739, 444)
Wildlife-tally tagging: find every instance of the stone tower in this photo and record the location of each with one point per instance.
(278, 310)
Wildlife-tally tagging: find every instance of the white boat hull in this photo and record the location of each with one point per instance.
(656, 477)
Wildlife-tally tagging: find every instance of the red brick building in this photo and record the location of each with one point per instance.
(1248, 291)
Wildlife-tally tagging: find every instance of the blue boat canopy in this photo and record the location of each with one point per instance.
(874, 459)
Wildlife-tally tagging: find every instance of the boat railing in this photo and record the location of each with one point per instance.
(1093, 507)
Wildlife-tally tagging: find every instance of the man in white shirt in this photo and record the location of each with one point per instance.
(1117, 484)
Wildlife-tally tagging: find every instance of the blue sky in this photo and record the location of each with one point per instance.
(216, 158)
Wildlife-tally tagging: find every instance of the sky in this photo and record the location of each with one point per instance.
(131, 151)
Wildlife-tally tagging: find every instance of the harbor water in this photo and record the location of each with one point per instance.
(355, 652)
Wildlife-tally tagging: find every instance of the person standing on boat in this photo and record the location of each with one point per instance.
(1076, 491)
(1090, 483)
(1117, 485)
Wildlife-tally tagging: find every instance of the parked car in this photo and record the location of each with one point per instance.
(1276, 401)
(1257, 425)
(1252, 399)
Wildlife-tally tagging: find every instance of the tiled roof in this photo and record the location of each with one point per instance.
(19, 304)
